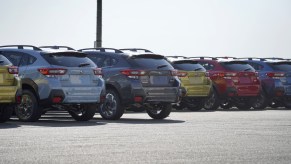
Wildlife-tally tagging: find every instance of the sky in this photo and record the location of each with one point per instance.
(239, 28)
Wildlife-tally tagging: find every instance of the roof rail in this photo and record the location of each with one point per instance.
(225, 57)
(136, 49)
(274, 58)
(101, 49)
(252, 58)
(178, 57)
(21, 47)
(203, 57)
(57, 47)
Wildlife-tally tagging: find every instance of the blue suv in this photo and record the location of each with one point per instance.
(58, 79)
(275, 76)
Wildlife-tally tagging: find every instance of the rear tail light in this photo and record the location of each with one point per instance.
(57, 99)
(138, 99)
(207, 74)
(275, 75)
(13, 70)
(182, 74)
(97, 71)
(129, 72)
(174, 72)
(52, 71)
(133, 74)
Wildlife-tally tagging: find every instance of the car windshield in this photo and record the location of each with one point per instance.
(188, 66)
(281, 66)
(4, 60)
(69, 59)
(150, 62)
(237, 66)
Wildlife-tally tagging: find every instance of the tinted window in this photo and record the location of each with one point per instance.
(237, 66)
(257, 66)
(98, 60)
(68, 59)
(150, 62)
(281, 66)
(4, 60)
(207, 66)
(189, 67)
(13, 57)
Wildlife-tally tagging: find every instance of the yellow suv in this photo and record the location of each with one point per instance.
(10, 88)
(195, 83)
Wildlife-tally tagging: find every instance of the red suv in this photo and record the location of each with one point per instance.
(235, 83)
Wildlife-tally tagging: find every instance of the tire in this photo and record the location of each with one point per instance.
(5, 112)
(260, 102)
(28, 110)
(226, 105)
(194, 104)
(84, 113)
(212, 102)
(287, 102)
(111, 109)
(159, 111)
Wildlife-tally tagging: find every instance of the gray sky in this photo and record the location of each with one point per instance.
(239, 28)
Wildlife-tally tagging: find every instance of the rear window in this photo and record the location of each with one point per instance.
(237, 66)
(4, 60)
(281, 66)
(68, 59)
(150, 62)
(188, 66)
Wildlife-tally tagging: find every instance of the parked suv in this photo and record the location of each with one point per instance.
(141, 80)
(275, 76)
(10, 88)
(235, 83)
(194, 80)
(66, 80)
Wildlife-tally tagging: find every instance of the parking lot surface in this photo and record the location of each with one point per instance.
(223, 136)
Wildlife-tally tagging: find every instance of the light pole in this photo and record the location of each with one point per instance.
(98, 42)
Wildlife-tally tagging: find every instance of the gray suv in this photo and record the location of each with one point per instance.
(65, 80)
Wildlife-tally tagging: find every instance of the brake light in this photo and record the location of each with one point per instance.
(174, 72)
(97, 71)
(52, 71)
(182, 74)
(206, 74)
(275, 75)
(13, 70)
(129, 72)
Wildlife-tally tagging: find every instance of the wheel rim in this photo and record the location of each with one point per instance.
(210, 101)
(156, 109)
(25, 108)
(110, 105)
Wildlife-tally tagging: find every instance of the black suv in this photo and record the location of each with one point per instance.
(136, 81)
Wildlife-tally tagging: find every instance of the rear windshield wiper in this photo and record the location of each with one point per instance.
(162, 66)
(83, 64)
(1, 61)
(248, 69)
(196, 69)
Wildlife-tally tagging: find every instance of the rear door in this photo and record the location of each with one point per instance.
(6, 79)
(240, 72)
(284, 67)
(194, 72)
(158, 72)
(73, 69)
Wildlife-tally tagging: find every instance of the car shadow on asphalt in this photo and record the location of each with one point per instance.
(140, 121)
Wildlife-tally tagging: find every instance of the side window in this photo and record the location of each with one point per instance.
(207, 66)
(107, 62)
(13, 57)
(114, 61)
(98, 60)
(23, 61)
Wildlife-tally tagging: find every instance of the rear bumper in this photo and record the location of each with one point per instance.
(198, 90)
(76, 95)
(8, 94)
(158, 94)
(242, 91)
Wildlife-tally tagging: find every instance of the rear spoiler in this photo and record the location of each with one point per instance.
(74, 53)
(185, 62)
(150, 56)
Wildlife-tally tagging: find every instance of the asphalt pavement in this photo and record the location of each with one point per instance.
(225, 136)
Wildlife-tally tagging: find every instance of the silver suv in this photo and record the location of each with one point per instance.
(65, 80)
